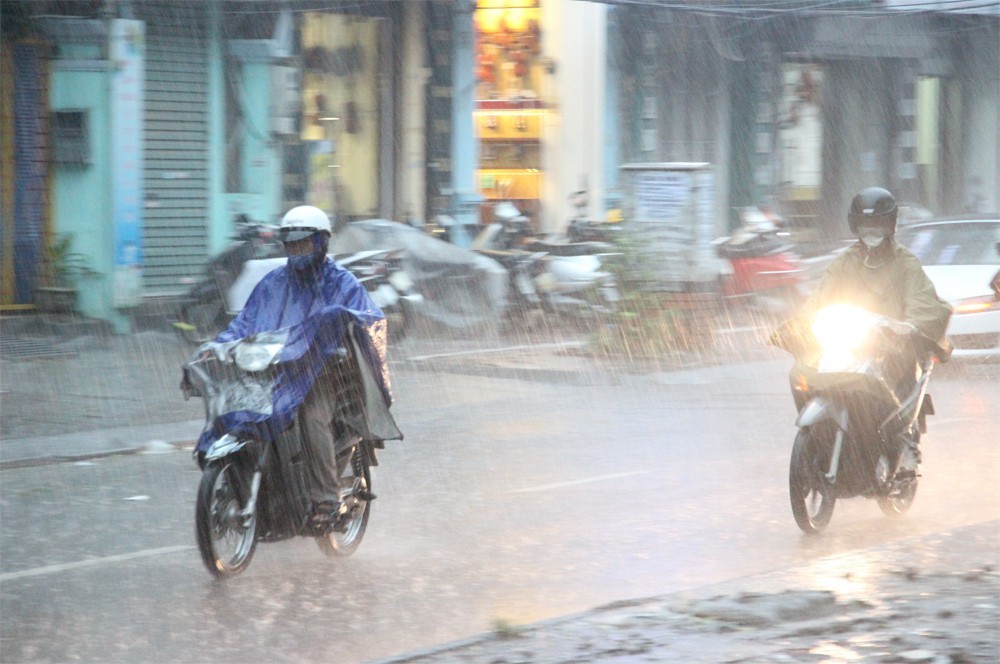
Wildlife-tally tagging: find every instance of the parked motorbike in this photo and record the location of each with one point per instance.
(583, 229)
(860, 385)
(253, 486)
(561, 277)
(382, 274)
(524, 299)
(223, 296)
(203, 312)
(765, 270)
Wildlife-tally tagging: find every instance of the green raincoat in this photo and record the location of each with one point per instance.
(898, 288)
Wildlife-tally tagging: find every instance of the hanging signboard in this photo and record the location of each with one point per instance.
(671, 216)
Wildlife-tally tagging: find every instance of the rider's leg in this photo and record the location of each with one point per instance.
(316, 419)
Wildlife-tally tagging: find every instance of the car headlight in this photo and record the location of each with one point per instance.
(976, 305)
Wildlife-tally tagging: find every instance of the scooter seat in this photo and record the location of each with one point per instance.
(571, 248)
(754, 248)
(506, 257)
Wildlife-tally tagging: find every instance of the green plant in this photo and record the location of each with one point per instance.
(61, 266)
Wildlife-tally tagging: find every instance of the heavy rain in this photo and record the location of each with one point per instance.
(578, 246)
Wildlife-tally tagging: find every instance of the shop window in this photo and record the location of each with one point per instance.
(71, 137)
(510, 112)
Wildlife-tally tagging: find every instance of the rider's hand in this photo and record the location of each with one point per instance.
(898, 328)
(209, 350)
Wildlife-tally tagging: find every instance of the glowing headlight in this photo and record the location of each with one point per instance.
(842, 327)
(976, 305)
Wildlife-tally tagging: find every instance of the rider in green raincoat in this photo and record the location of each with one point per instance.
(880, 275)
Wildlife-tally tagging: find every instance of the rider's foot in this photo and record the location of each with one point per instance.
(325, 512)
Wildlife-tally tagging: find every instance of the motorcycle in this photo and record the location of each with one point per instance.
(765, 270)
(203, 312)
(222, 297)
(561, 277)
(523, 297)
(582, 229)
(253, 486)
(382, 274)
(860, 386)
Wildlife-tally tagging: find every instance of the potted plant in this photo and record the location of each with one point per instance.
(61, 272)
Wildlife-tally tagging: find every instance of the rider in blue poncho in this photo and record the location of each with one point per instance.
(319, 300)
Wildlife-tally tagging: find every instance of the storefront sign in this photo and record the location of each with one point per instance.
(660, 194)
(802, 129)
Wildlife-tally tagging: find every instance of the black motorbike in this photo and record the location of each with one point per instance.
(860, 386)
(203, 312)
(254, 489)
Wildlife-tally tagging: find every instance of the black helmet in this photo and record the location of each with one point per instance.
(873, 204)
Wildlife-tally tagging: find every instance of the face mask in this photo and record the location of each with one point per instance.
(300, 263)
(872, 236)
(312, 261)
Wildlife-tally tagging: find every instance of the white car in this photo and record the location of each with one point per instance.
(962, 258)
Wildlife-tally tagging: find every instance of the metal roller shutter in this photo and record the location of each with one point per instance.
(176, 144)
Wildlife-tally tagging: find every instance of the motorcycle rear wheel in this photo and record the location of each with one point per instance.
(226, 539)
(811, 497)
(356, 480)
(201, 322)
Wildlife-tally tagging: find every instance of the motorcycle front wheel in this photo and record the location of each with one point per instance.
(201, 321)
(899, 498)
(357, 485)
(226, 537)
(811, 497)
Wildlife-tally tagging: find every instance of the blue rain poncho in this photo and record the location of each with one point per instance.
(322, 314)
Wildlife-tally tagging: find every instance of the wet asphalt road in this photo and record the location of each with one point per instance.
(509, 501)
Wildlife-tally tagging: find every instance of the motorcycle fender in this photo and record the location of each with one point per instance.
(820, 409)
(224, 446)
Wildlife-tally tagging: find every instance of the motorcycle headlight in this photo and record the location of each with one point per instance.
(842, 327)
(841, 330)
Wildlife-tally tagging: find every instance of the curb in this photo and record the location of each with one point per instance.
(31, 462)
(100, 443)
(540, 362)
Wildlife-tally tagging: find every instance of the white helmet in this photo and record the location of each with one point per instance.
(301, 222)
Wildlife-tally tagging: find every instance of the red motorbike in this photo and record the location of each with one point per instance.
(766, 271)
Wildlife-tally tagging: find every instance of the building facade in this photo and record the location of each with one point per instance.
(142, 128)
